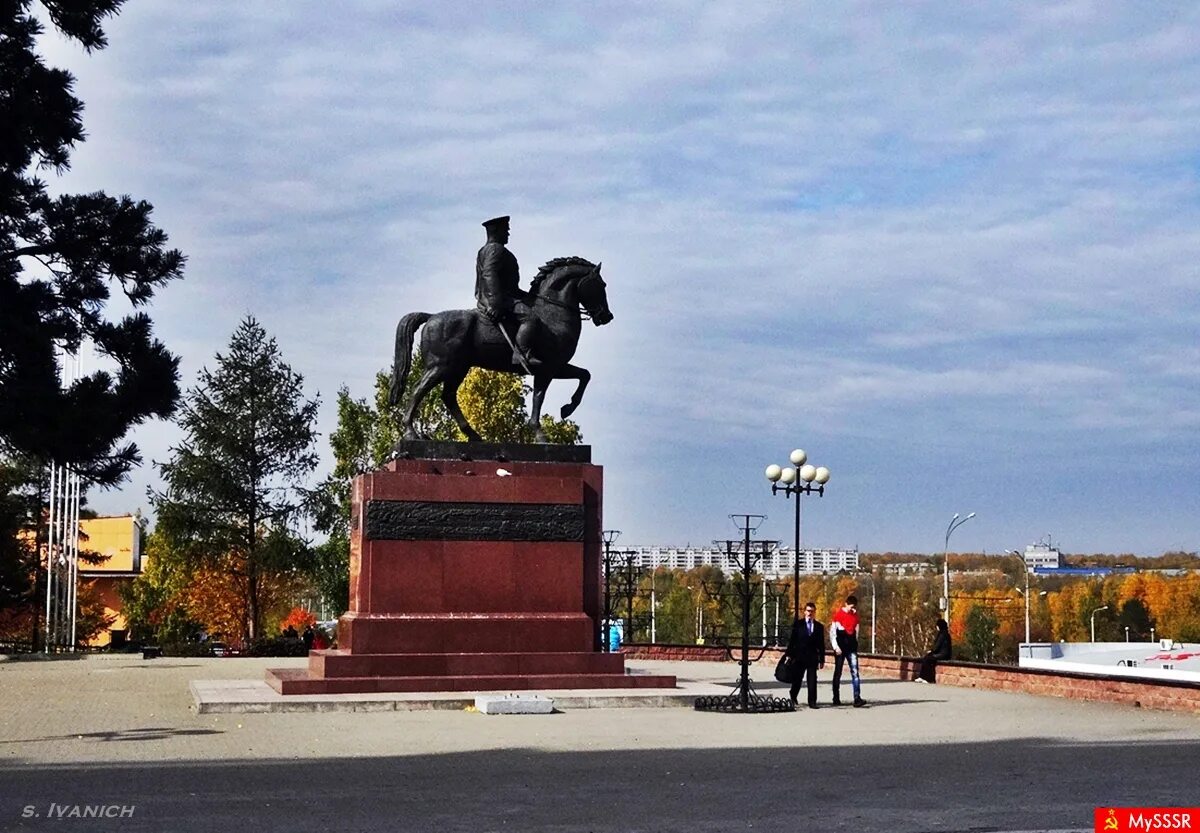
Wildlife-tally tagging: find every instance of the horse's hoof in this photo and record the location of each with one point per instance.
(566, 411)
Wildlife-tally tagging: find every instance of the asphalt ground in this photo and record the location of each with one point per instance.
(121, 732)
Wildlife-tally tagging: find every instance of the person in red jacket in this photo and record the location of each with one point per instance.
(843, 636)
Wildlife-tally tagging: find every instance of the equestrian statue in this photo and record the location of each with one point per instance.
(532, 332)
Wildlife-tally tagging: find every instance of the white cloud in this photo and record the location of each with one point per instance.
(937, 234)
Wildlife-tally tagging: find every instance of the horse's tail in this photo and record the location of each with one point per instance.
(405, 332)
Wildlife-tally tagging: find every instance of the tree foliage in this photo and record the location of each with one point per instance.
(233, 491)
(980, 635)
(78, 247)
(988, 610)
(20, 502)
(152, 603)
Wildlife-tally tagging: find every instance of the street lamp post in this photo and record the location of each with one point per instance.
(1025, 566)
(698, 613)
(955, 523)
(1094, 612)
(797, 481)
(610, 536)
(653, 600)
(871, 578)
(630, 589)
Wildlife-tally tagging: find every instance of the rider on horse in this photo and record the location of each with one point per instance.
(498, 293)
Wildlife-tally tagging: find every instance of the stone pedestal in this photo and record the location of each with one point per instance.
(471, 575)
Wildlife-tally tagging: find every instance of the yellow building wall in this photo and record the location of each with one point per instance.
(119, 539)
(106, 591)
(115, 537)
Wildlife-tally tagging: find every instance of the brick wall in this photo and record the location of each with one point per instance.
(690, 653)
(1149, 694)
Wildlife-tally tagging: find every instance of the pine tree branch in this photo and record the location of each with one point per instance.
(29, 251)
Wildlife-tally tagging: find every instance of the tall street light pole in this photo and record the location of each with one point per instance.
(955, 523)
(1025, 566)
(871, 578)
(1094, 612)
(653, 599)
(807, 475)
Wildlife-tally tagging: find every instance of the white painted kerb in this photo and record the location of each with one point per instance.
(514, 704)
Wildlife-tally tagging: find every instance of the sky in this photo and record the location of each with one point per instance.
(948, 249)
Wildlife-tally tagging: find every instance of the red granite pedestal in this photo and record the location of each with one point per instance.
(471, 575)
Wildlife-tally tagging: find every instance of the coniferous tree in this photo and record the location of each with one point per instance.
(979, 637)
(20, 498)
(59, 259)
(234, 486)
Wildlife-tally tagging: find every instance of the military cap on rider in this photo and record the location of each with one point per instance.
(496, 221)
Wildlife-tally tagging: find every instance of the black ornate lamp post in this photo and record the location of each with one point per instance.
(610, 536)
(743, 699)
(806, 479)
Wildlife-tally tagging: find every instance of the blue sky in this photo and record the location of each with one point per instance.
(949, 249)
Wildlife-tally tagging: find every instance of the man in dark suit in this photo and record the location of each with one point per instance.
(806, 653)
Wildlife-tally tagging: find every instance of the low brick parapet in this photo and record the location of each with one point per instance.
(688, 653)
(1168, 695)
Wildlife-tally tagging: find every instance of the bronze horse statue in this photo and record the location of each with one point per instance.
(454, 341)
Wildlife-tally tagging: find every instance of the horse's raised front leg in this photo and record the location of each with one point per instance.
(450, 400)
(570, 371)
(431, 377)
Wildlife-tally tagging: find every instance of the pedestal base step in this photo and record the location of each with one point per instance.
(300, 681)
(335, 663)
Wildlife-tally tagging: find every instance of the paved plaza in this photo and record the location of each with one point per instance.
(118, 730)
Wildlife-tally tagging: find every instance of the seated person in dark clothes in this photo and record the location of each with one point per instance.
(940, 651)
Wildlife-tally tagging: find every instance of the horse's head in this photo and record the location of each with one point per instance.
(572, 281)
(593, 295)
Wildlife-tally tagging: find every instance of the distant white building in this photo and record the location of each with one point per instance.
(1165, 659)
(1042, 555)
(777, 563)
(903, 568)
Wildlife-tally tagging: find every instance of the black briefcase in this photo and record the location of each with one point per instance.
(783, 670)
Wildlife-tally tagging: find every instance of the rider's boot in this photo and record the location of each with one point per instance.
(523, 347)
(525, 358)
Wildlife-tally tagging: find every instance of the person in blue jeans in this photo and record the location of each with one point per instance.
(843, 637)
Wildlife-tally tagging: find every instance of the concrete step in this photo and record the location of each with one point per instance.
(300, 681)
